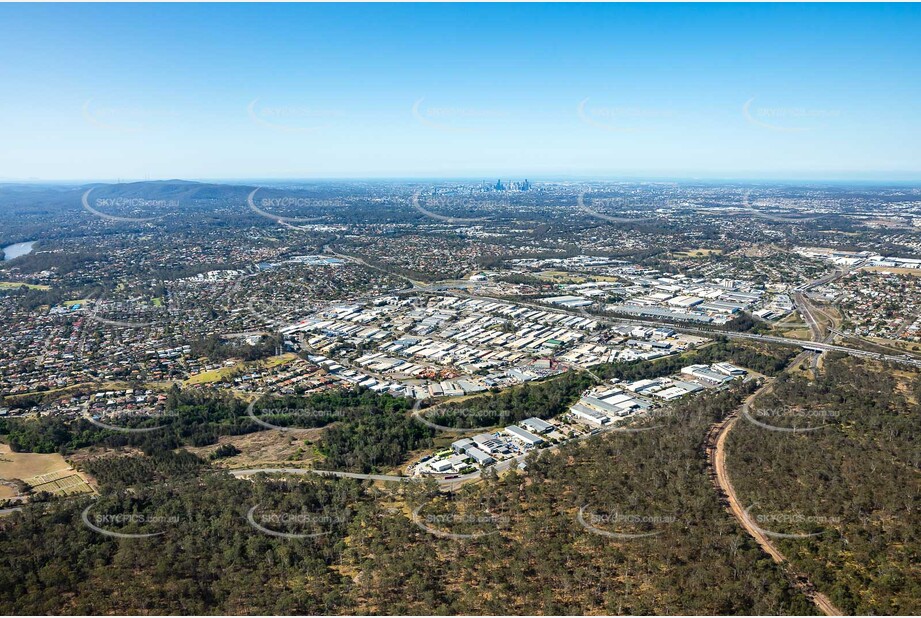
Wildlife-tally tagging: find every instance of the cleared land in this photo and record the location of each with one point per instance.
(265, 448)
(43, 472)
(216, 375)
(698, 253)
(11, 285)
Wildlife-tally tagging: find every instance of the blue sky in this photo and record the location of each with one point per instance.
(521, 90)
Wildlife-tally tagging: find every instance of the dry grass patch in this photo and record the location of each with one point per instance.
(264, 448)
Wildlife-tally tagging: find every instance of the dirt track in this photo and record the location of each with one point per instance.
(716, 455)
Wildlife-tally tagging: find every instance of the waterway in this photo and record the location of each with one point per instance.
(18, 250)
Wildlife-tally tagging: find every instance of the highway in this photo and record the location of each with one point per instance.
(822, 346)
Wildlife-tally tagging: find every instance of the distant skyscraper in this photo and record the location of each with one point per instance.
(509, 186)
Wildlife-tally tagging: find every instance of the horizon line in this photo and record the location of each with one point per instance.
(909, 177)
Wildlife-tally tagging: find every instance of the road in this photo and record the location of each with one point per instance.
(243, 473)
(719, 433)
(824, 346)
(807, 311)
(448, 483)
(904, 359)
(817, 331)
(716, 455)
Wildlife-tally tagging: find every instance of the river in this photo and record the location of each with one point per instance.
(19, 249)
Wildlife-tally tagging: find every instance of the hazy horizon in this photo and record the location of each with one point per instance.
(740, 91)
(663, 179)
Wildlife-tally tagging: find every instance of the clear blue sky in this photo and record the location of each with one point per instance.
(537, 91)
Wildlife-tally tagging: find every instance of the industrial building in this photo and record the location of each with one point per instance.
(479, 456)
(524, 436)
(536, 425)
(585, 413)
(706, 375)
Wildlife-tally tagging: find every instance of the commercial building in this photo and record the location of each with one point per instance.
(584, 413)
(536, 425)
(728, 369)
(461, 446)
(704, 374)
(491, 444)
(524, 436)
(479, 456)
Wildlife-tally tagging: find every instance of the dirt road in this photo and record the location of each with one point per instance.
(716, 455)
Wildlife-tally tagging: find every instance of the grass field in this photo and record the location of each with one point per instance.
(27, 465)
(215, 375)
(265, 448)
(802, 333)
(698, 253)
(43, 472)
(275, 361)
(12, 285)
(557, 276)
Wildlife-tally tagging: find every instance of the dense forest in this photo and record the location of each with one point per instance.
(365, 431)
(198, 418)
(369, 556)
(192, 418)
(854, 483)
(658, 539)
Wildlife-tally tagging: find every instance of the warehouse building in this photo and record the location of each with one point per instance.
(479, 456)
(728, 369)
(524, 436)
(584, 413)
(536, 425)
(461, 446)
(704, 374)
